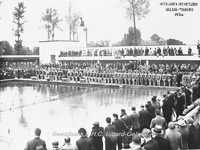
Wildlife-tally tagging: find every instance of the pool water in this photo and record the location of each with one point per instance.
(64, 109)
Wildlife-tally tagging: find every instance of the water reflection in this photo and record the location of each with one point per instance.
(68, 114)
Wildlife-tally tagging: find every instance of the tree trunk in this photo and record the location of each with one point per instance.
(70, 32)
(135, 30)
(53, 34)
(18, 36)
(48, 32)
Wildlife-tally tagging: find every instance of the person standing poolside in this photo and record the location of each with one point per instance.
(36, 143)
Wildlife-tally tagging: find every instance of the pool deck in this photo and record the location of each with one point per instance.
(103, 85)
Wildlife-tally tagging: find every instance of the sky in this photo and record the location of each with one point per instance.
(105, 20)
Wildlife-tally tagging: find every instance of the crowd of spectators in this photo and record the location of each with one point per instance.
(152, 127)
(132, 51)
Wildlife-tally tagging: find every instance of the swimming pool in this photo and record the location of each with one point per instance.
(60, 110)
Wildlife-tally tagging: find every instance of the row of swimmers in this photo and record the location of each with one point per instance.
(130, 78)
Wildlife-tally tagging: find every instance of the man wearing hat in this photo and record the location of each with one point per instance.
(192, 139)
(149, 144)
(55, 145)
(157, 134)
(36, 143)
(96, 136)
(84, 143)
(183, 130)
(174, 136)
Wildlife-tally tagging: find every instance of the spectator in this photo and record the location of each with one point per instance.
(183, 130)
(157, 134)
(127, 122)
(136, 143)
(135, 121)
(145, 118)
(146, 51)
(180, 52)
(84, 143)
(67, 145)
(189, 51)
(110, 134)
(149, 144)
(174, 137)
(151, 109)
(155, 102)
(36, 143)
(158, 120)
(167, 109)
(119, 124)
(55, 145)
(96, 136)
(192, 138)
(180, 104)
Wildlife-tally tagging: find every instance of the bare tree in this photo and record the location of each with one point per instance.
(136, 8)
(72, 19)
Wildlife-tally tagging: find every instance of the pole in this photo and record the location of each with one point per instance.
(86, 29)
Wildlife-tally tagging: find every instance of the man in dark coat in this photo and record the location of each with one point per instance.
(127, 122)
(84, 143)
(145, 118)
(167, 109)
(179, 79)
(135, 121)
(180, 104)
(188, 94)
(119, 124)
(151, 109)
(36, 143)
(157, 133)
(96, 136)
(192, 139)
(110, 130)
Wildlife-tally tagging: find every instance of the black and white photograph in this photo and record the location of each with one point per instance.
(99, 74)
